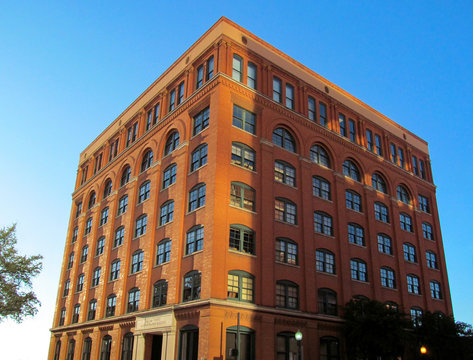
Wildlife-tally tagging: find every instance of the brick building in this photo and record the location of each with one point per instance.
(242, 187)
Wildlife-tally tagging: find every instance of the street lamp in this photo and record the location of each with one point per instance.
(423, 350)
(298, 337)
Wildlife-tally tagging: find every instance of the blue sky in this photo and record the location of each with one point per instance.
(69, 68)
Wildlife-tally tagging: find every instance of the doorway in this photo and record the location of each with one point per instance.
(156, 347)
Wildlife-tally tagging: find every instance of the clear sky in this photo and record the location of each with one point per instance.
(69, 68)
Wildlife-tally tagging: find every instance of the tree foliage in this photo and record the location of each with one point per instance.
(16, 298)
(373, 330)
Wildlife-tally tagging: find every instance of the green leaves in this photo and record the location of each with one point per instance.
(16, 298)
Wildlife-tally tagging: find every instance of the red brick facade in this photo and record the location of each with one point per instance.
(251, 215)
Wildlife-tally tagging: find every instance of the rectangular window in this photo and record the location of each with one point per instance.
(210, 68)
(343, 124)
(422, 169)
(180, 93)
(156, 113)
(277, 95)
(201, 121)
(244, 119)
(424, 204)
(128, 137)
(98, 163)
(172, 99)
(393, 154)
(311, 108)
(237, 73)
(379, 145)
(402, 161)
(369, 140)
(323, 114)
(251, 75)
(415, 169)
(113, 150)
(200, 77)
(290, 96)
(149, 119)
(352, 127)
(134, 132)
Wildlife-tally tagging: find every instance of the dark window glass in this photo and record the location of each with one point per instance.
(351, 170)
(180, 93)
(246, 343)
(106, 348)
(277, 89)
(57, 350)
(172, 143)
(75, 232)
(156, 113)
(379, 145)
(127, 347)
(107, 189)
(406, 222)
(378, 183)
(311, 108)
(369, 140)
(70, 349)
(75, 315)
(92, 309)
(286, 346)
(320, 187)
(115, 270)
(287, 294)
(284, 173)
(431, 260)
(327, 302)
(80, 282)
(353, 200)
(290, 96)
(200, 77)
(125, 176)
(427, 231)
(356, 234)
(343, 125)
(62, 316)
(413, 286)
(92, 198)
(87, 348)
(70, 262)
(196, 197)
(67, 285)
(251, 75)
(422, 169)
(100, 246)
(393, 154)
(381, 212)
(237, 73)
(133, 300)
(285, 210)
(385, 244)
(119, 235)
(210, 68)
(352, 128)
(194, 239)
(122, 205)
(358, 270)
(424, 204)
(96, 276)
(402, 160)
(242, 239)
(164, 251)
(149, 119)
(388, 278)
(84, 253)
(329, 348)
(137, 261)
(189, 343)
(160, 293)
(111, 304)
(103, 217)
(166, 213)
(409, 252)
(140, 226)
(147, 160)
(403, 195)
(323, 114)
(172, 99)
(435, 291)
(191, 286)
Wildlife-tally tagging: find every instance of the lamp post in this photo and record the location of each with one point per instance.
(298, 337)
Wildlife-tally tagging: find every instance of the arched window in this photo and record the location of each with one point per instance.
(358, 270)
(286, 251)
(246, 342)
(403, 195)
(388, 278)
(351, 170)
(286, 346)
(133, 300)
(107, 190)
(125, 176)
(284, 139)
(323, 223)
(191, 290)
(111, 304)
(285, 210)
(91, 200)
(321, 187)
(160, 293)
(243, 155)
(325, 261)
(242, 239)
(164, 252)
(329, 348)
(378, 183)
(319, 155)
(287, 294)
(106, 347)
(240, 286)
(242, 196)
(70, 349)
(87, 348)
(172, 143)
(147, 160)
(327, 300)
(188, 342)
(57, 350)
(356, 234)
(127, 346)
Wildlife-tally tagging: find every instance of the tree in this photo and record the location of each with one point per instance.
(443, 338)
(372, 330)
(16, 298)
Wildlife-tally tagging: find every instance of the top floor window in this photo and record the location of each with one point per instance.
(200, 76)
(379, 145)
(393, 154)
(369, 140)
(352, 128)
(172, 143)
(251, 75)
(311, 108)
(84, 174)
(284, 139)
(132, 132)
(180, 93)
(422, 169)
(113, 150)
(244, 119)
(290, 96)
(172, 100)
(402, 160)
(343, 124)
(277, 89)
(201, 121)
(237, 68)
(351, 170)
(156, 113)
(210, 68)
(323, 114)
